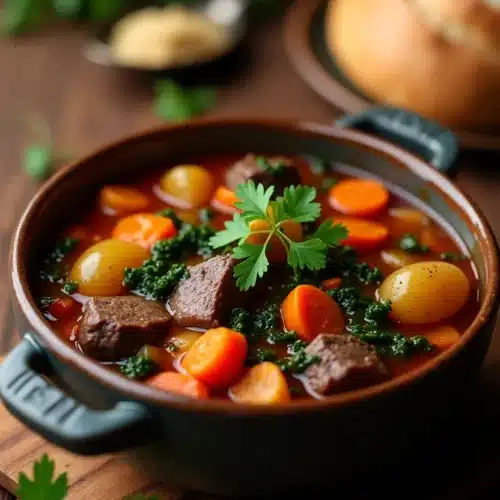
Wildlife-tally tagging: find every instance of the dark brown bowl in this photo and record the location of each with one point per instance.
(218, 446)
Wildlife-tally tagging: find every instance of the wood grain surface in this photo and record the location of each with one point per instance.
(88, 106)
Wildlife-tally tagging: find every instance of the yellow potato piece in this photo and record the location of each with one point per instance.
(100, 269)
(191, 185)
(425, 292)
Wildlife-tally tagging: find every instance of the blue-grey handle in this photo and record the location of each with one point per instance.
(61, 419)
(432, 142)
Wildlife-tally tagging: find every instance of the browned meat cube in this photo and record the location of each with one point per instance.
(205, 298)
(248, 168)
(113, 328)
(346, 363)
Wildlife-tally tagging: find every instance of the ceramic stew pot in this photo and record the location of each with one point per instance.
(218, 446)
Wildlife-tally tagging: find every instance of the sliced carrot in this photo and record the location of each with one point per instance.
(363, 234)
(309, 311)
(443, 336)
(144, 229)
(120, 199)
(359, 197)
(217, 357)
(62, 307)
(225, 196)
(262, 384)
(331, 284)
(180, 384)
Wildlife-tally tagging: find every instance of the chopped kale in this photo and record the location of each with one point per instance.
(172, 346)
(328, 183)
(391, 343)
(451, 256)
(318, 166)
(378, 312)
(409, 243)
(137, 367)
(159, 275)
(276, 167)
(53, 269)
(70, 287)
(206, 215)
(279, 337)
(367, 274)
(297, 360)
(46, 302)
(240, 321)
(261, 355)
(349, 299)
(154, 279)
(266, 319)
(170, 214)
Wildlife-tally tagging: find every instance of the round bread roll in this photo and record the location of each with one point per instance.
(440, 58)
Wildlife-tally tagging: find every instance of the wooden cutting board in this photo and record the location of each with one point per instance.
(89, 477)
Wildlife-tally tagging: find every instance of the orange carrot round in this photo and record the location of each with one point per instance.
(120, 199)
(309, 311)
(262, 384)
(359, 197)
(144, 229)
(363, 234)
(180, 384)
(331, 284)
(217, 357)
(224, 200)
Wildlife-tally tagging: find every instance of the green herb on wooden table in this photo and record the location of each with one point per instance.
(176, 103)
(43, 486)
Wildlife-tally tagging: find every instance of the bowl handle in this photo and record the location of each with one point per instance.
(427, 139)
(61, 419)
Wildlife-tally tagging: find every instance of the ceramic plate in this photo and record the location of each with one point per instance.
(307, 49)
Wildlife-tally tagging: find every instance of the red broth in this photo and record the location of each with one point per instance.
(92, 225)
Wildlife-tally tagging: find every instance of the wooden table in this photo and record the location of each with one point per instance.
(87, 106)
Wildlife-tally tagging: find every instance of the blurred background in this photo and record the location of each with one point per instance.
(78, 74)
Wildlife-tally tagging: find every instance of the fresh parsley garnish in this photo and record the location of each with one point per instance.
(298, 360)
(206, 215)
(175, 103)
(53, 269)
(297, 204)
(409, 243)
(44, 485)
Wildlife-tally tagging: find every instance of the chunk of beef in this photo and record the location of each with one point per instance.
(113, 328)
(205, 298)
(248, 168)
(345, 363)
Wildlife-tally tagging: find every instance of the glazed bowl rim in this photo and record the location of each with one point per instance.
(141, 392)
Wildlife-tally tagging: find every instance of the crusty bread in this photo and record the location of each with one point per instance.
(399, 52)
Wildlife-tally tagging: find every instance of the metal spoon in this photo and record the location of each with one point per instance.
(230, 14)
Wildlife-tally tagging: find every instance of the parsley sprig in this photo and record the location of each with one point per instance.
(297, 204)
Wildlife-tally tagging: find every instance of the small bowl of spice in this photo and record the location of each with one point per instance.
(172, 37)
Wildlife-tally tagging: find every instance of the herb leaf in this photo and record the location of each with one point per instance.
(410, 244)
(330, 233)
(254, 200)
(137, 367)
(236, 229)
(308, 253)
(38, 161)
(254, 266)
(175, 103)
(298, 203)
(43, 485)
